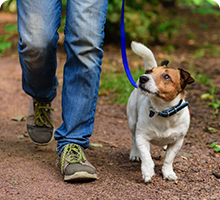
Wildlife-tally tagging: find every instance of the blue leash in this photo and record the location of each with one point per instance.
(123, 48)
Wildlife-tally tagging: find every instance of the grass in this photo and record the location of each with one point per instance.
(118, 85)
(211, 96)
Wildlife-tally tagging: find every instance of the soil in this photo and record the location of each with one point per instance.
(31, 172)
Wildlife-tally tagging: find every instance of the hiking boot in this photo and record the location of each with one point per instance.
(40, 122)
(75, 166)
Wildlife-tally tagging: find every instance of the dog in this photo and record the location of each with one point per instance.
(157, 113)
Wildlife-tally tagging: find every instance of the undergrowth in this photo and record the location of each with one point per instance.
(118, 84)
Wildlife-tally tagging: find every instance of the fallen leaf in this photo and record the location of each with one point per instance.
(19, 118)
(25, 135)
(20, 136)
(206, 96)
(184, 158)
(110, 143)
(210, 129)
(106, 92)
(97, 145)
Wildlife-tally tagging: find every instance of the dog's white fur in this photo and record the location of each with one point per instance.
(157, 130)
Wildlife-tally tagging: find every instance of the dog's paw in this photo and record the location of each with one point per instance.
(169, 175)
(135, 158)
(147, 178)
(135, 155)
(147, 173)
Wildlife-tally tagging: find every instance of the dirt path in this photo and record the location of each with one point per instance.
(30, 172)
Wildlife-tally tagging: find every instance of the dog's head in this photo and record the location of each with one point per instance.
(164, 82)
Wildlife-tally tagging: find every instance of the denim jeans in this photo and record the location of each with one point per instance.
(38, 21)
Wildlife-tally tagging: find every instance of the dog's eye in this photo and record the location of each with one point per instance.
(166, 77)
(148, 71)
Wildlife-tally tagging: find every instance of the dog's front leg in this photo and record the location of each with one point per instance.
(171, 152)
(147, 164)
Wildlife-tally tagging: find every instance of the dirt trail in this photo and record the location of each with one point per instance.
(30, 172)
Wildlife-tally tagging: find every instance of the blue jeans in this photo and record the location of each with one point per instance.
(38, 21)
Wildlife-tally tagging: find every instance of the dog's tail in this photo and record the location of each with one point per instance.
(145, 53)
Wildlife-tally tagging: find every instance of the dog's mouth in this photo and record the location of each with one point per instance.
(143, 89)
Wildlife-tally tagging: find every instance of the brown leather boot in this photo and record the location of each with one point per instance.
(40, 122)
(75, 166)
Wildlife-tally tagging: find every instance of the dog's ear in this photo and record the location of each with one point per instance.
(186, 79)
(164, 62)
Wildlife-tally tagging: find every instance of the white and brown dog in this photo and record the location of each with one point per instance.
(158, 113)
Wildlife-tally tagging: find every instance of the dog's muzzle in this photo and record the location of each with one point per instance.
(142, 80)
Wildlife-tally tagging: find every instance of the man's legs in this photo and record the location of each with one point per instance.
(84, 33)
(38, 21)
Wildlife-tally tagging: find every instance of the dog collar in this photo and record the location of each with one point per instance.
(169, 112)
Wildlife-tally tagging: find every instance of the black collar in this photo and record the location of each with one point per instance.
(169, 112)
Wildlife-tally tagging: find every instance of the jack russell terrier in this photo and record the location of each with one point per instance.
(157, 113)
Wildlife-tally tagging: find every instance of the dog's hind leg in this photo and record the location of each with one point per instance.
(134, 154)
(132, 121)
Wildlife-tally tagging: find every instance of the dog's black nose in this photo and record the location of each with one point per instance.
(143, 79)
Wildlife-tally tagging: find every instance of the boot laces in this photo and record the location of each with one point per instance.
(40, 117)
(72, 154)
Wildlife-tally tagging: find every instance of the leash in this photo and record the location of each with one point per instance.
(123, 48)
(171, 111)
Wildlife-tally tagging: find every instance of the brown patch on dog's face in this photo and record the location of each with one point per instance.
(167, 81)
(170, 82)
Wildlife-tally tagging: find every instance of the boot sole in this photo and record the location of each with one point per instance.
(80, 176)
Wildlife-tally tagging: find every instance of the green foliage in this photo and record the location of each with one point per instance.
(215, 104)
(211, 96)
(147, 21)
(143, 20)
(9, 5)
(4, 44)
(62, 25)
(207, 50)
(203, 7)
(11, 29)
(215, 147)
(202, 78)
(118, 85)
(198, 3)
(64, 2)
